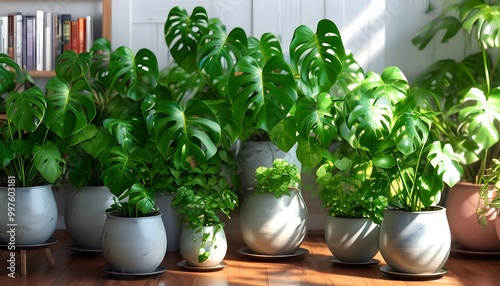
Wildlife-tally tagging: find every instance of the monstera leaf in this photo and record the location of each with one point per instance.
(317, 58)
(122, 168)
(192, 130)
(71, 66)
(134, 75)
(265, 48)
(480, 114)
(483, 19)
(69, 108)
(48, 161)
(218, 51)
(11, 74)
(261, 95)
(183, 33)
(26, 110)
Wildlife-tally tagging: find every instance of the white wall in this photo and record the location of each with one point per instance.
(379, 32)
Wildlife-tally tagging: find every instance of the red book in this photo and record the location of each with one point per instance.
(81, 34)
(74, 36)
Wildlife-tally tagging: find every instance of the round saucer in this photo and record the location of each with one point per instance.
(119, 274)
(391, 272)
(77, 248)
(250, 253)
(47, 243)
(340, 262)
(459, 249)
(184, 265)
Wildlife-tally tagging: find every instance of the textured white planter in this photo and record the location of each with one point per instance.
(273, 226)
(352, 239)
(85, 215)
(253, 154)
(192, 246)
(415, 242)
(35, 214)
(134, 245)
(170, 218)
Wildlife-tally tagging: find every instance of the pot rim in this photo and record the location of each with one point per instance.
(433, 209)
(27, 188)
(116, 215)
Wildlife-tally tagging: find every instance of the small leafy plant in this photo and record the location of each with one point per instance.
(277, 179)
(346, 188)
(491, 178)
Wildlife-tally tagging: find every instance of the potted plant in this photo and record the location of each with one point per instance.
(86, 73)
(273, 219)
(229, 69)
(355, 207)
(36, 125)
(205, 193)
(381, 118)
(466, 94)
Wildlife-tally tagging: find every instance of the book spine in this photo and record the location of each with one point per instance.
(66, 31)
(89, 33)
(39, 41)
(18, 40)
(74, 36)
(24, 43)
(81, 34)
(10, 35)
(30, 42)
(4, 35)
(49, 41)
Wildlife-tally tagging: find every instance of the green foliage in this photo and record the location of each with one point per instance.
(490, 179)
(277, 179)
(29, 143)
(465, 92)
(382, 122)
(347, 188)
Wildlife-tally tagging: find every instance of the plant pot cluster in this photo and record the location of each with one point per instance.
(112, 118)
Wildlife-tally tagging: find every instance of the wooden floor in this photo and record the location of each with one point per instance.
(74, 268)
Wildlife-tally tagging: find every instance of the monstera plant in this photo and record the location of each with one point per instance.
(259, 94)
(466, 92)
(35, 127)
(141, 129)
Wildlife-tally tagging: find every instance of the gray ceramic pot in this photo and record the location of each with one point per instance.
(35, 214)
(192, 246)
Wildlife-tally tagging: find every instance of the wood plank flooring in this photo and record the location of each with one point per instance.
(81, 269)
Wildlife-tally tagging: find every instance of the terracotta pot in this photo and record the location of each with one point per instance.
(461, 205)
(415, 242)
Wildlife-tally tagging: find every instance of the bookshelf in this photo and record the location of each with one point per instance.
(99, 9)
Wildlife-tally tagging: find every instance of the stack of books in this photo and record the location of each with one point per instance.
(35, 41)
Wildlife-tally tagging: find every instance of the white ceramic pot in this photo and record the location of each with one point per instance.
(170, 218)
(273, 226)
(461, 207)
(85, 215)
(203, 246)
(415, 242)
(253, 154)
(134, 244)
(35, 214)
(352, 239)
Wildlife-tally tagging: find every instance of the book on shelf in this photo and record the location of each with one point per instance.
(4, 38)
(36, 40)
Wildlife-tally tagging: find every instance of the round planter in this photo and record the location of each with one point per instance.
(85, 215)
(415, 242)
(273, 226)
(253, 154)
(352, 239)
(199, 252)
(35, 213)
(170, 219)
(461, 206)
(134, 244)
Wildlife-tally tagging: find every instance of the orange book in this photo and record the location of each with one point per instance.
(74, 36)
(81, 34)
